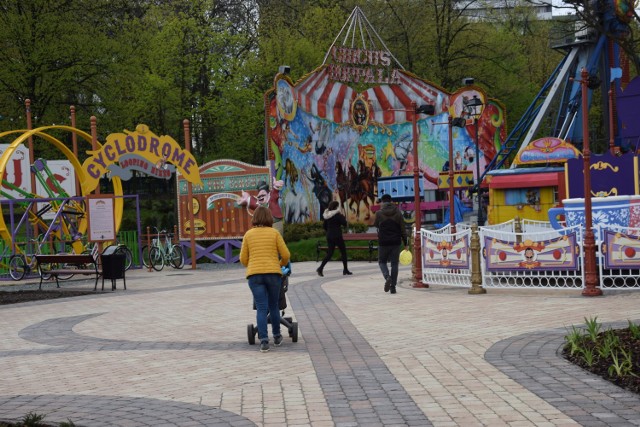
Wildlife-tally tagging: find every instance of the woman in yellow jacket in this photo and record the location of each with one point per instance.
(264, 252)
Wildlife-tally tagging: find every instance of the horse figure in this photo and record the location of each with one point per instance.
(376, 173)
(291, 172)
(360, 188)
(342, 182)
(369, 176)
(320, 188)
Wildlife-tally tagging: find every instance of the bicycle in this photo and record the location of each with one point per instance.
(22, 264)
(160, 254)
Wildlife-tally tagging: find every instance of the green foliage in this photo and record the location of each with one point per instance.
(609, 344)
(593, 328)
(35, 420)
(358, 227)
(602, 348)
(574, 340)
(297, 232)
(32, 420)
(622, 363)
(304, 250)
(587, 356)
(634, 330)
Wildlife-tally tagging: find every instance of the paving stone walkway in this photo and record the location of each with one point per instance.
(534, 360)
(172, 351)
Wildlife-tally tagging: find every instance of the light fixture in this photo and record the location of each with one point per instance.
(473, 106)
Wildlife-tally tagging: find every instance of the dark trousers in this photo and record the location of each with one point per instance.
(331, 246)
(391, 255)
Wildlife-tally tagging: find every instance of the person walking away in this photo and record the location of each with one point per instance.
(333, 223)
(391, 234)
(264, 253)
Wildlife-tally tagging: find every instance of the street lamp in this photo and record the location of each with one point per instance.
(591, 288)
(417, 212)
(457, 122)
(473, 108)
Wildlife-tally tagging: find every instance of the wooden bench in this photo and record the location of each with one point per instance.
(61, 264)
(370, 238)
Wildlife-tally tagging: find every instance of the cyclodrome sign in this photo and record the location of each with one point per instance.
(141, 144)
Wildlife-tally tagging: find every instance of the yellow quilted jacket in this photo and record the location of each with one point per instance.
(263, 251)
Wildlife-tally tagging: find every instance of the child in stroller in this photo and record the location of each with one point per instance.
(287, 322)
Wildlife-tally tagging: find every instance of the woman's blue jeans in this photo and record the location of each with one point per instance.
(266, 295)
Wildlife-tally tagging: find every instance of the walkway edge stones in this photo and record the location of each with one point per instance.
(535, 361)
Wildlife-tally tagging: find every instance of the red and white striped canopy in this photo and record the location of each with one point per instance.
(389, 104)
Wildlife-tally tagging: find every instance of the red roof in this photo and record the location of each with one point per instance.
(547, 179)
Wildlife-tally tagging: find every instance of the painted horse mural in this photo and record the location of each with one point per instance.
(360, 191)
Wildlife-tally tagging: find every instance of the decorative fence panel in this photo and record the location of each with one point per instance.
(618, 257)
(530, 254)
(446, 257)
(543, 259)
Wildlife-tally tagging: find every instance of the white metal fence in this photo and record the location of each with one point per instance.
(538, 257)
(533, 259)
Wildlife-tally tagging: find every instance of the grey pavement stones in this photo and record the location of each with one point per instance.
(534, 360)
(358, 386)
(107, 411)
(172, 350)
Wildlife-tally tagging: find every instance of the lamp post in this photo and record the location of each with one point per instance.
(417, 212)
(457, 122)
(474, 109)
(452, 215)
(591, 288)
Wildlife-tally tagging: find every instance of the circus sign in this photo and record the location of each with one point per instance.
(130, 147)
(362, 66)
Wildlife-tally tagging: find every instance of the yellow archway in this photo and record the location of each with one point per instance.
(40, 132)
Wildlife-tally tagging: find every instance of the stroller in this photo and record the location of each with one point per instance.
(287, 322)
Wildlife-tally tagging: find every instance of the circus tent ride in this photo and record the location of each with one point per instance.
(341, 128)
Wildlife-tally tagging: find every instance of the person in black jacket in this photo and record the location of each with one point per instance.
(391, 234)
(333, 223)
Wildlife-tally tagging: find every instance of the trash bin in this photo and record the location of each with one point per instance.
(113, 267)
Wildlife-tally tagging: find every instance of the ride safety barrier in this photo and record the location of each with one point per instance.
(527, 254)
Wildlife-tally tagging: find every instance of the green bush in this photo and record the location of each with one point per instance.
(358, 227)
(297, 232)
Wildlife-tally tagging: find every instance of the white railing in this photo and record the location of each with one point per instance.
(446, 257)
(503, 226)
(533, 225)
(538, 257)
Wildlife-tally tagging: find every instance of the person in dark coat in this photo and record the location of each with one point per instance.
(333, 223)
(391, 235)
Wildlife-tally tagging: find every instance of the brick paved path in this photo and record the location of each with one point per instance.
(172, 350)
(357, 384)
(534, 360)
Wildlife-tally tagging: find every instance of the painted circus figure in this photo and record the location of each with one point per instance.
(265, 197)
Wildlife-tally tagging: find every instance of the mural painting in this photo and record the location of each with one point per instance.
(328, 141)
